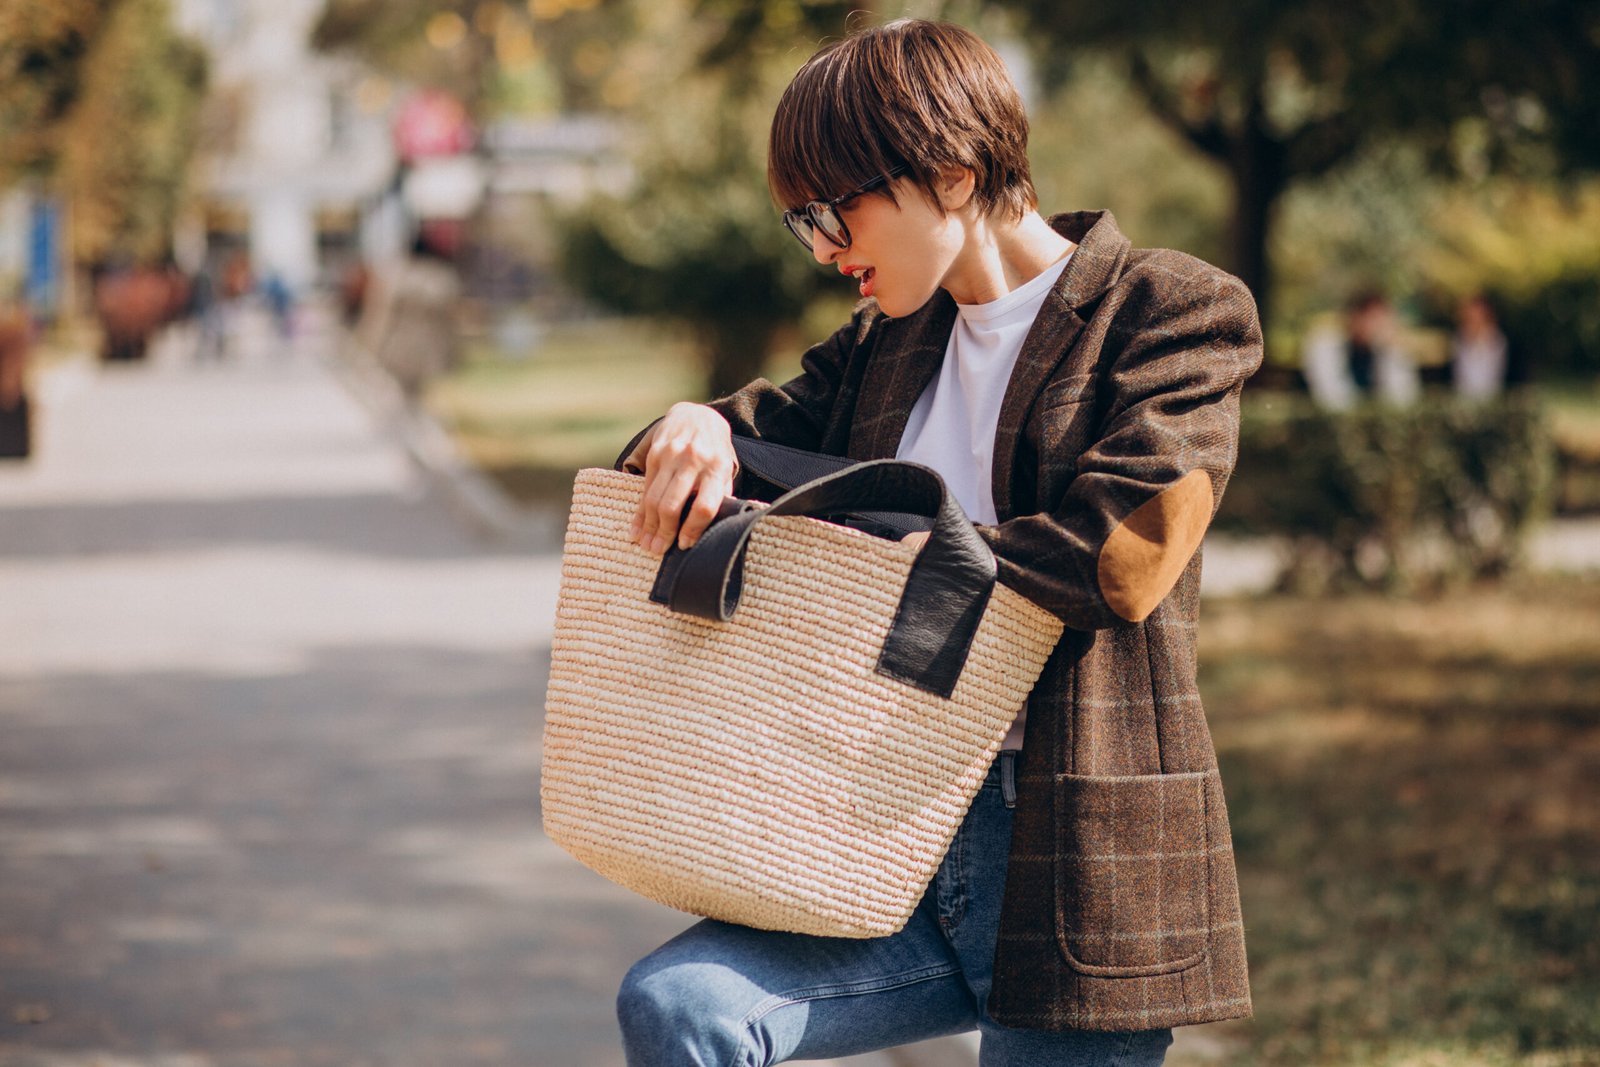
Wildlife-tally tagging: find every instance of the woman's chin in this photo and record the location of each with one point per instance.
(897, 307)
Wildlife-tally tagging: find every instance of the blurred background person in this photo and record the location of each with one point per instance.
(280, 304)
(1477, 350)
(205, 308)
(1361, 359)
(409, 325)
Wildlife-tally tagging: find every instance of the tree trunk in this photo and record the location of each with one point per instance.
(734, 352)
(1257, 162)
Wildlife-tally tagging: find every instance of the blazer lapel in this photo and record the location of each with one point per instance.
(906, 360)
(1096, 263)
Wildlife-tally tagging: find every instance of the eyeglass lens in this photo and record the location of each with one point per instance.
(824, 215)
(800, 226)
(816, 216)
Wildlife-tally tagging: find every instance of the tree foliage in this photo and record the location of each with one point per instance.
(1161, 193)
(102, 98)
(126, 144)
(697, 239)
(1277, 91)
(1534, 249)
(493, 55)
(42, 47)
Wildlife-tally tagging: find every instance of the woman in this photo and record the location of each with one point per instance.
(1081, 400)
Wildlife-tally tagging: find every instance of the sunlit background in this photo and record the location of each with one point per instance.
(309, 310)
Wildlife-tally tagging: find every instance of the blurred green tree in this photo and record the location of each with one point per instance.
(1534, 249)
(494, 55)
(125, 145)
(696, 240)
(1285, 90)
(42, 48)
(101, 97)
(1162, 194)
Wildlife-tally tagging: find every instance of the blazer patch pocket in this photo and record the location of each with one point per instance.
(1133, 872)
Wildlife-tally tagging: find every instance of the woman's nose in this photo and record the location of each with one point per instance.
(823, 249)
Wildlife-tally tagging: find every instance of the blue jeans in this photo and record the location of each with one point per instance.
(720, 995)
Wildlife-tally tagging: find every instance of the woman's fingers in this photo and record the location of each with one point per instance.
(637, 463)
(644, 522)
(708, 497)
(662, 461)
(688, 453)
(663, 504)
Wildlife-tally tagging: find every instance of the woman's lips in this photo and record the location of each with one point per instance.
(867, 276)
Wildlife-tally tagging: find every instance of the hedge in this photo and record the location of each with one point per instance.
(1394, 497)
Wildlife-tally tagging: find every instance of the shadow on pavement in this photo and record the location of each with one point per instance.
(373, 525)
(337, 866)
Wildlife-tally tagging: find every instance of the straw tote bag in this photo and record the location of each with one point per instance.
(783, 726)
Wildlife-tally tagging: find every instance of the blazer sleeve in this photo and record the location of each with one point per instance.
(1127, 524)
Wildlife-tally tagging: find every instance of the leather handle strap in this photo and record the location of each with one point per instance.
(785, 468)
(782, 468)
(944, 597)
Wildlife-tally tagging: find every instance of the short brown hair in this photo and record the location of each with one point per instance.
(921, 94)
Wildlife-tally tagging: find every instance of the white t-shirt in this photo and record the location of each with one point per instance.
(1478, 365)
(953, 423)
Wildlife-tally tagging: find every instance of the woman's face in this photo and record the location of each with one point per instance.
(899, 252)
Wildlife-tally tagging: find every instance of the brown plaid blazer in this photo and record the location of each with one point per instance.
(1118, 432)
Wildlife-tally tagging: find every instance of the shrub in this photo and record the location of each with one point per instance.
(1398, 498)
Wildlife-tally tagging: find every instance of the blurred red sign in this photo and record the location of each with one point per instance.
(431, 123)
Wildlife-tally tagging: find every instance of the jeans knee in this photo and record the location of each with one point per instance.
(641, 1003)
(672, 1016)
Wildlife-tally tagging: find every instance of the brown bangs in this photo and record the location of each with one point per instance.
(926, 95)
(818, 148)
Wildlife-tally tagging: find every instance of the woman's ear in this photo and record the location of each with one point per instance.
(955, 187)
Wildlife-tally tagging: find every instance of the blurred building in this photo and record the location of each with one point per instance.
(295, 154)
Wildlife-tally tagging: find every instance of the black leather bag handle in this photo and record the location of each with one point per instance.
(944, 597)
(778, 465)
(775, 469)
(784, 468)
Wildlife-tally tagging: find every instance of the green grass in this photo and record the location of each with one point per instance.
(531, 422)
(1415, 796)
(574, 402)
(1575, 416)
(1575, 425)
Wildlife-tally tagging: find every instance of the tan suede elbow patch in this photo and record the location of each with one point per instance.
(1142, 559)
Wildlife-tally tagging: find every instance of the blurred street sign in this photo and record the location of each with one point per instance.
(431, 124)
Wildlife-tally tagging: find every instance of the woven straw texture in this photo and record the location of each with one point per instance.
(759, 771)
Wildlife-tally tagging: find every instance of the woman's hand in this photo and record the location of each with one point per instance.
(916, 539)
(689, 452)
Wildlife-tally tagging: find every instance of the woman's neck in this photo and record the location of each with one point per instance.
(999, 256)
